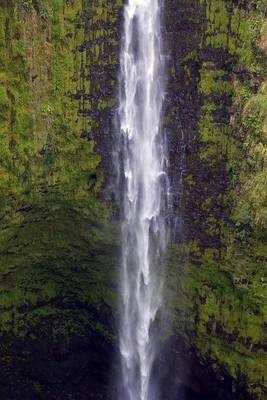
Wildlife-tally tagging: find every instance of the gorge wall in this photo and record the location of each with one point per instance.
(219, 75)
(59, 230)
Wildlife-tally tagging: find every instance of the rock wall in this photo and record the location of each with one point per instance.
(58, 245)
(217, 108)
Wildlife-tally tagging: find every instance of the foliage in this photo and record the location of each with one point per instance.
(217, 291)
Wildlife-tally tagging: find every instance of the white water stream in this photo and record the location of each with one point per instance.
(145, 188)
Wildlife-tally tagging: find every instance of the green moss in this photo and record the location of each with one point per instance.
(57, 241)
(218, 314)
(217, 293)
(4, 101)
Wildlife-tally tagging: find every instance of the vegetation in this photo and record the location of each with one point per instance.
(220, 290)
(58, 62)
(57, 241)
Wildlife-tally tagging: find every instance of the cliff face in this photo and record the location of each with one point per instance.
(59, 239)
(57, 243)
(219, 74)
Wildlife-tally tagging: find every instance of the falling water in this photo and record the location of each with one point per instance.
(145, 188)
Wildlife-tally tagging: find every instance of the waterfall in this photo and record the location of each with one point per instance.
(144, 201)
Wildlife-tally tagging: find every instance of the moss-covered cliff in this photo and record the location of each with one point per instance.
(58, 85)
(220, 279)
(57, 242)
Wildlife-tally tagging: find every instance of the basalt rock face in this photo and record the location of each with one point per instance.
(216, 120)
(58, 244)
(59, 64)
